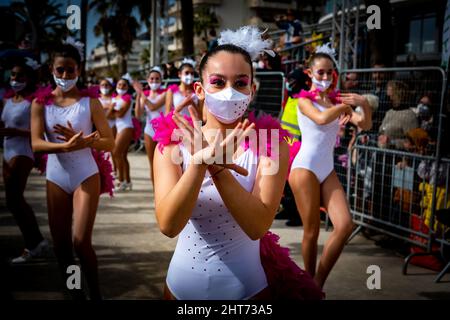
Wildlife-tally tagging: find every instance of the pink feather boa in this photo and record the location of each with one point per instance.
(164, 126)
(44, 95)
(174, 88)
(294, 148)
(335, 95)
(268, 123)
(126, 97)
(105, 170)
(11, 93)
(159, 91)
(137, 129)
(286, 280)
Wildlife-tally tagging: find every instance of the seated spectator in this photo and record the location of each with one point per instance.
(424, 114)
(350, 82)
(398, 120)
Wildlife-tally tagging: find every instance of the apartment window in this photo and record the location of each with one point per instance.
(423, 35)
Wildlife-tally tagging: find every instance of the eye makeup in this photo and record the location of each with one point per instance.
(321, 72)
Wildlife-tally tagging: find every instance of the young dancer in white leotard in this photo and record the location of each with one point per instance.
(218, 214)
(62, 127)
(180, 97)
(125, 129)
(106, 99)
(153, 103)
(18, 157)
(312, 178)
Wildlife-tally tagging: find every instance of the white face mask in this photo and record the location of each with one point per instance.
(187, 78)
(121, 91)
(227, 105)
(154, 86)
(104, 90)
(321, 85)
(65, 84)
(17, 86)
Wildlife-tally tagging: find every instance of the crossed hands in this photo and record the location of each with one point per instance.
(73, 140)
(213, 151)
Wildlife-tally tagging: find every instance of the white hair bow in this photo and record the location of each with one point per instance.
(248, 38)
(189, 61)
(110, 80)
(127, 77)
(327, 49)
(77, 44)
(157, 69)
(33, 64)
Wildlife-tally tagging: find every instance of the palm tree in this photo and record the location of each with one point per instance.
(103, 26)
(187, 21)
(123, 31)
(42, 20)
(145, 57)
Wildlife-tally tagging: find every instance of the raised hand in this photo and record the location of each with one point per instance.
(215, 152)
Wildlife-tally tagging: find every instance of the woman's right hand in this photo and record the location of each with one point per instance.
(346, 114)
(217, 151)
(78, 142)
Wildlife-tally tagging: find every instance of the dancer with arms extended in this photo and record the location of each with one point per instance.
(313, 179)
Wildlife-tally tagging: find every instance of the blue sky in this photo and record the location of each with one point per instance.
(92, 40)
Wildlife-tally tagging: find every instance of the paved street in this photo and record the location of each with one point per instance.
(133, 255)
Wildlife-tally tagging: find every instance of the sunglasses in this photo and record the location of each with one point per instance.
(69, 70)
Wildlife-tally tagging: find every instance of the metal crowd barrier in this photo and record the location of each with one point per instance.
(395, 191)
(270, 93)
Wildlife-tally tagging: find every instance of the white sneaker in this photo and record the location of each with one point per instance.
(124, 186)
(129, 185)
(40, 251)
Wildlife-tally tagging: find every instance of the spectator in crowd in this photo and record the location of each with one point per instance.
(269, 63)
(424, 114)
(212, 43)
(293, 29)
(378, 88)
(350, 81)
(171, 71)
(398, 120)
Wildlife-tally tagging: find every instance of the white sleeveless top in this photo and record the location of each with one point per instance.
(150, 115)
(17, 115)
(111, 122)
(318, 142)
(126, 120)
(214, 258)
(178, 97)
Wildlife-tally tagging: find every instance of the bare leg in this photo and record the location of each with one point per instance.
(114, 130)
(60, 221)
(123, 140)
(306, 188)
(150, 146)
(85, 203)
(334, 199)
(15, 176)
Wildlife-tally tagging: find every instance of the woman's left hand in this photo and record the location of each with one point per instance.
(66, 133)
